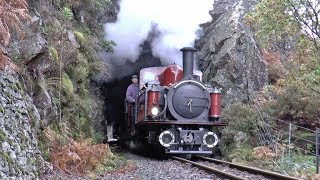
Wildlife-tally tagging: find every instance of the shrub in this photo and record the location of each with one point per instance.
(294, 102)
(241, 119)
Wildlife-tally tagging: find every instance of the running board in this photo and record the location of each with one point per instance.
(188, 152)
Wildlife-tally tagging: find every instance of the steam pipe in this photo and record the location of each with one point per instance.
(188, 58)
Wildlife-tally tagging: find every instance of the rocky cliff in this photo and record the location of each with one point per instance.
(229, 56)
(51, 81)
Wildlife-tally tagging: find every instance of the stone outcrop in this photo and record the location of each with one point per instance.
(20, 157)
(228, 54)
(32, 52)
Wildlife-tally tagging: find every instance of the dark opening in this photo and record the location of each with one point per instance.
(115, 91)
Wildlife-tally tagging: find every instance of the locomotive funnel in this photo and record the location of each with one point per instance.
(188, 58)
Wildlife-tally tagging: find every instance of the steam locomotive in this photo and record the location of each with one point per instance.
(175, 110)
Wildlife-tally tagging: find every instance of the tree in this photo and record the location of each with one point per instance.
(307, 14)
(279, 20)
(291, 30)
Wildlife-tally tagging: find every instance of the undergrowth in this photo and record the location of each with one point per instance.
(73, 156)
(297, 164)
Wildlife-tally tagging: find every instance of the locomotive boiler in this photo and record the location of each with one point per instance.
(175, 110)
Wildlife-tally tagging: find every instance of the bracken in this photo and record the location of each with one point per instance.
(76, 156)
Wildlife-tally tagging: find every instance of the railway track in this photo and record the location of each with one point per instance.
(233, 171)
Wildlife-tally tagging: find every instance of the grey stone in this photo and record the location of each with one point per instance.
(13, 155)
(73, 40)
(22, 161)
(6, 146)
(20, 142)
(239, 138)
(30, 47)
(228, 54)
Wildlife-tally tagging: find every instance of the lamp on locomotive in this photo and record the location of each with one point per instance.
(153, 100)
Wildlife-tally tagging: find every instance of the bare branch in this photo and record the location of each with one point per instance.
(304, 22)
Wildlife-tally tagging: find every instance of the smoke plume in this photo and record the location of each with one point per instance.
(175, 20)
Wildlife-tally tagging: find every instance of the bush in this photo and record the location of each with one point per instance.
(242, 121)
(294, 102)
(240, 117)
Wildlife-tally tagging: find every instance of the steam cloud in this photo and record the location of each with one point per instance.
(177, 21)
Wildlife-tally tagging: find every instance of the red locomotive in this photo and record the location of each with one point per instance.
(178, 111)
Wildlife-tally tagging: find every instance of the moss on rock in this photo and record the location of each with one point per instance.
(67, 84)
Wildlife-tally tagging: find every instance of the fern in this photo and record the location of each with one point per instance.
(11, 14)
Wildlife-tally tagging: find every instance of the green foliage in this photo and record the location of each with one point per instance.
(240, 117)
(82, 73)
(296, 164)
(267, 29)
(98, 137)
(295, 95)
(67, 12)
(7, 158)
(113, 163)
(108, 45)
(293, 101)
(44, 147)
(18, 85)
(78, 65)
(241, 154)
(2, 136)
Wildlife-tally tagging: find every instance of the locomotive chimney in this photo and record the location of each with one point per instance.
(188, 58)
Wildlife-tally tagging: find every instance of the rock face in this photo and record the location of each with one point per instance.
(19, 154)
(228, 54)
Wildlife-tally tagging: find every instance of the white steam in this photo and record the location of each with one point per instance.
(177, 20)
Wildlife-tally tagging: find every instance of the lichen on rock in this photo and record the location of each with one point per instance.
(18, 141)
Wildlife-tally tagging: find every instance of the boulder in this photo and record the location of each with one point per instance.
(228, 53)
(28, 47)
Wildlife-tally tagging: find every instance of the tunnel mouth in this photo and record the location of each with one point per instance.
(115, 89)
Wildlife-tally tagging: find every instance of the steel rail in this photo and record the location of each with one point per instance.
(232, 176)
(269, 174)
